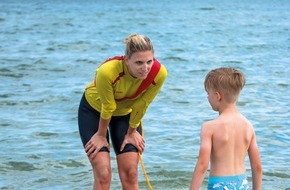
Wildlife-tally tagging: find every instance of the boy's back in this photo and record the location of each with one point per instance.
(231, 137)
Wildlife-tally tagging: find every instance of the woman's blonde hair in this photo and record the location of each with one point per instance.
(136, 43)
(227, 81)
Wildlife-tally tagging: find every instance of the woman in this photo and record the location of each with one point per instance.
(113, 106)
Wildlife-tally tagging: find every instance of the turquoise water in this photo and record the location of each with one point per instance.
(50, 49)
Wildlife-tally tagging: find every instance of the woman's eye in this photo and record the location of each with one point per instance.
(139, 63)
(149, 62)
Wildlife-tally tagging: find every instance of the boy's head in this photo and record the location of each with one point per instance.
(227, 81)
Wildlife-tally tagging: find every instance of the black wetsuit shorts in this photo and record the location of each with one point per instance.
(88, 120)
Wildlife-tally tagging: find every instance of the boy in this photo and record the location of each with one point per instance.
(226, 140)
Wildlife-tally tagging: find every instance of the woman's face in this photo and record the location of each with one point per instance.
(139, 64)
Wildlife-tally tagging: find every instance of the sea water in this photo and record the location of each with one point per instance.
(50, 49)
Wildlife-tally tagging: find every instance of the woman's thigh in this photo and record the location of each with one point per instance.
(88, 121)
(118, 129)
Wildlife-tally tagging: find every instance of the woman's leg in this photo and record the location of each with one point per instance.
(128, 159)
(128, 170)
(102, 171)
(88, 120)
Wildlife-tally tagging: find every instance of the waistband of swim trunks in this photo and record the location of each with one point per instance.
(215, 179)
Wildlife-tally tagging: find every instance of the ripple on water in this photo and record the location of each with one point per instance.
(45, 135)
(281, 174)
(20, 166)
(72, 164)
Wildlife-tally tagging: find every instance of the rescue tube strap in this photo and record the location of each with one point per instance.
(146, 82)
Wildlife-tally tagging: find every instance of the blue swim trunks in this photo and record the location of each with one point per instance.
(237, 182)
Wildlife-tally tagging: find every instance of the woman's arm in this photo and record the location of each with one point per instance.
(135, 138)
(98, 140)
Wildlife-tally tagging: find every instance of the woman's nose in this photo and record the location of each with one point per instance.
(146, 67)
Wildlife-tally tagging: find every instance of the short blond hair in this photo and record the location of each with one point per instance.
(227, 81)
(136, 43)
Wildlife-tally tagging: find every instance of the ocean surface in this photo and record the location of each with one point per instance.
(49, 50)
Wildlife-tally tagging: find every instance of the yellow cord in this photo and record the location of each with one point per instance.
(144, 171)
(142, 164)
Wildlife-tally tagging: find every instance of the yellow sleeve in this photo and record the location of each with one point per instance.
(105, 90)
(141, 104)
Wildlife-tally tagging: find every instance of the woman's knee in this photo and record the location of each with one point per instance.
(131, 175)
(103, 175)
(102, 167)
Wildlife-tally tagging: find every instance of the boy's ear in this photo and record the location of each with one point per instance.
(218, 96)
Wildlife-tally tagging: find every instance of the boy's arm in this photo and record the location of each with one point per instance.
(203, 158)
(256, 165)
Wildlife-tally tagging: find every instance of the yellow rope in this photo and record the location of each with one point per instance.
(142, 164)
(144, 171)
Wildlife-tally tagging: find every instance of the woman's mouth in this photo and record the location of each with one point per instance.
(143, 75)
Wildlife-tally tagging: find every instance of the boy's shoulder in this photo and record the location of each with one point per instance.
(217, 123)
(212, 122)
(211, 126)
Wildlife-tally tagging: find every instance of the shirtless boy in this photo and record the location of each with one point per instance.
(226, 140)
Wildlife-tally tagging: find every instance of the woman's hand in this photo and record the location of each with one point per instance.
(95, 144)
(133, 137)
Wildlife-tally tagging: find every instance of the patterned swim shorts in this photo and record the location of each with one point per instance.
(237, 182)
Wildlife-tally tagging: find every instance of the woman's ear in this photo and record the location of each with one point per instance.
(125, 58)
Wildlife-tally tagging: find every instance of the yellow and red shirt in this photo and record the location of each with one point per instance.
(113, 82)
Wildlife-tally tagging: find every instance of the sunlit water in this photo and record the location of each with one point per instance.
(50, 49)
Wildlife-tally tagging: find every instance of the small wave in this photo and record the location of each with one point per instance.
(72, 164)
(277, 174)
(232, 62)
(172, 58)
(41, 180)
(177, 50)
(5, 124)
(206, 9)
(181, 102)
(198, 71)
(87, 61)
(13, 75)
(46, 134)
(283, 84)
(177, 89)
(21, 166)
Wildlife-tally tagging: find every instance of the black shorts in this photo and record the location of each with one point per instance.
(88, 120)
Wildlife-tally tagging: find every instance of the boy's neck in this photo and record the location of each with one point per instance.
(227, 108)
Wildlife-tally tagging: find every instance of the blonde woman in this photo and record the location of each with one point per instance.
(113, 106)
